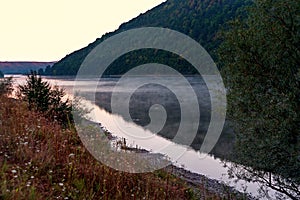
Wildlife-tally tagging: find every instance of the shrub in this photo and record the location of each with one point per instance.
(46, 99)
(6, 86)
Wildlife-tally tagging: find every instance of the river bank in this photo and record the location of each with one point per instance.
(190, 177)
(39, 159)
(197, 182)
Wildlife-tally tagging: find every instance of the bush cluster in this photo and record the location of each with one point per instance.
(48, 100)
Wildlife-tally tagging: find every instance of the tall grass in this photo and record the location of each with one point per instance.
(41, 160)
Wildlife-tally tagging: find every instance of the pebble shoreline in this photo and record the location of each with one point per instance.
(194, 180)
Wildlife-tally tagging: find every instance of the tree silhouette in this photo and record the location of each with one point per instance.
(43, 98)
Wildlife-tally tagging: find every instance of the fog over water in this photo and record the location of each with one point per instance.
(141, 101)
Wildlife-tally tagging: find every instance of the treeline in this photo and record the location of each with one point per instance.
(201, 20)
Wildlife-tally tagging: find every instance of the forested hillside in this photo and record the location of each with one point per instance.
(200, 19)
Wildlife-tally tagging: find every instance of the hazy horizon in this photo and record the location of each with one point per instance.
(48, 31)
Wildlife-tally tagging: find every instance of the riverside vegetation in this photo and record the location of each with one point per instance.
(258, 55)
(260, 64)
(259, 59)
(43, 158)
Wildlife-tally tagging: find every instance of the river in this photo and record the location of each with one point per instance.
(189, 157)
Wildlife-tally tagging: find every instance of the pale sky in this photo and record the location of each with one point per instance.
(47, 30)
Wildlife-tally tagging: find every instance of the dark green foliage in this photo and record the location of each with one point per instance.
(41, 71)
(61, 110)
(261, 69)
(48, 70)
(6, 86)
(199, 19)
(45, 99)
(36, 92)
(144, 56)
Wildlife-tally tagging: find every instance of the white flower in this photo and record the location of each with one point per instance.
(71, 155)
(13, 171)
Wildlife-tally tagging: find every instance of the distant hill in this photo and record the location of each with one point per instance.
(199, 19)
(22, 67)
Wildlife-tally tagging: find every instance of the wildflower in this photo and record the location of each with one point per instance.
(71, 155)
(13, 171)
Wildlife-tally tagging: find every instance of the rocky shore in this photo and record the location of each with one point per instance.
(197, 182)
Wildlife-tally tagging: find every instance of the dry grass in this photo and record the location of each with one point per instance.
(40, 160)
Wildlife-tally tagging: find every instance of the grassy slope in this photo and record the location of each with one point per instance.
(40, 160)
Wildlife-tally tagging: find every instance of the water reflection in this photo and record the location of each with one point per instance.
(151, 94)
(140, 103)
